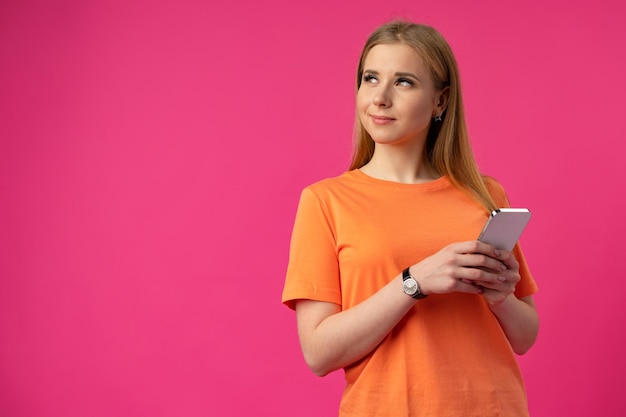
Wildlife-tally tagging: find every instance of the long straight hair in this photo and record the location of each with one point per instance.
(447, 149)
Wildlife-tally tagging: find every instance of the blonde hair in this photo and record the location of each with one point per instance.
(447, 149)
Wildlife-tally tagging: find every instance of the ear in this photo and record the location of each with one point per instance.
(441, 100)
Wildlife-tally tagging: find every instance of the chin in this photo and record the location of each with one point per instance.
(388, 140)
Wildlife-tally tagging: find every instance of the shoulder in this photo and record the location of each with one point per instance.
(332, 194)
(332, 185)
(496, 190)
(321, 201)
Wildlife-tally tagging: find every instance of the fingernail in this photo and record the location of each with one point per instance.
(501, 279)
(496, 252)
(503, 267)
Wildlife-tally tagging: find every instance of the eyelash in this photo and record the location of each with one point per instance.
(367, 78)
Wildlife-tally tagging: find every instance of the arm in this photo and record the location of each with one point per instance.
(517, 316)
(332, 339)
(519, 320)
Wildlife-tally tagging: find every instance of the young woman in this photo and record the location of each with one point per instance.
(385, 273)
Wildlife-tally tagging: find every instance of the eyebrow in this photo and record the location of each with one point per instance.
(397, 74)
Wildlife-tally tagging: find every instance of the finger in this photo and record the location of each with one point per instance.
(502, 287)
(508, 259)
(476, 246)
(511, 262)
(476, 260)
(478, 275)
(469, 287)
(506, 283)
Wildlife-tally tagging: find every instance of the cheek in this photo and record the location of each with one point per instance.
(364, 97)
(423, 110)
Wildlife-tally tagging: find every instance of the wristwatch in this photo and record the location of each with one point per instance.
(410, 286)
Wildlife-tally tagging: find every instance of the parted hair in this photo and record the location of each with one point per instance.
(447, 150)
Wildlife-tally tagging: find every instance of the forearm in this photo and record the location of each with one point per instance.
(332, 339)
(519, 320)
(346, 336)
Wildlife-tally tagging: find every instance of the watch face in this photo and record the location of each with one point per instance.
(409, 286)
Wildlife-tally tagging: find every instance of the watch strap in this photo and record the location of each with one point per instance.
(406, 274)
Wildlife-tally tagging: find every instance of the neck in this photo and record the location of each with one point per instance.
(399, 164)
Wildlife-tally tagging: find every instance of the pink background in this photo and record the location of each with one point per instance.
(151, 159)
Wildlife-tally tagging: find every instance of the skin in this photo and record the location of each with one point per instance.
(395, 103)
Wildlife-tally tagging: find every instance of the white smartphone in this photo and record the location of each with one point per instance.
(504, 227)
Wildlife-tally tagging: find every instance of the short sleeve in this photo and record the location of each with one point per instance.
(313, 271)
(527, 285)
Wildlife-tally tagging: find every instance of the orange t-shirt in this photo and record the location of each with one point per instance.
(448, 356)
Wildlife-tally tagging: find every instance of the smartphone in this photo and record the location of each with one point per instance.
(504, 227)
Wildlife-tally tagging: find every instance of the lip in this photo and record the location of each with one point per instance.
(381, 120)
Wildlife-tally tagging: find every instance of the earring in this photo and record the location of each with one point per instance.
(438, 118)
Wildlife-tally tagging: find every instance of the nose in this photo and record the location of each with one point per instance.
(382, 97)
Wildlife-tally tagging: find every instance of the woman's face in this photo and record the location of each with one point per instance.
(397, 98)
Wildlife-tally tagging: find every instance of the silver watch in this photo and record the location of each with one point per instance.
(410, 285)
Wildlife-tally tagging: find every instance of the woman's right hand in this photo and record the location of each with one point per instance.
(459, 267)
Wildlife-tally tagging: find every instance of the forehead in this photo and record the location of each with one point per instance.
(394, 57)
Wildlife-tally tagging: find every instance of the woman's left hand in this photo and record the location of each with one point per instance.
(517, 316)
(496, 292)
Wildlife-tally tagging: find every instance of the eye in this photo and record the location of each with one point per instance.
(369, 78)
(405, 82)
